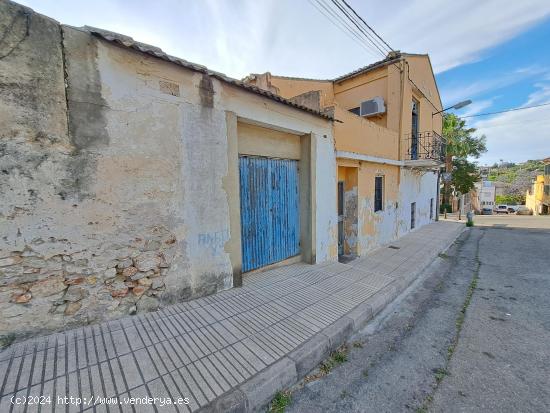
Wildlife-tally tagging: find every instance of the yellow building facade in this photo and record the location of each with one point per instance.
(538, 196)
(387, 145)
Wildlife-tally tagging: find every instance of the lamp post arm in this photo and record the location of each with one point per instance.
(443, 110)
(455, 106)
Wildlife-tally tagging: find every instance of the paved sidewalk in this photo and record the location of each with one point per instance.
(229, 351)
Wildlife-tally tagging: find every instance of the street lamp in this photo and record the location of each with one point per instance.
(459, 105)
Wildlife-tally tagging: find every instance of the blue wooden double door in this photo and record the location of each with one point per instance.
(270, 210)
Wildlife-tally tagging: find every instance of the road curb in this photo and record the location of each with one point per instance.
(256, 393)
(307, 356)
(260, 389)
(361, 315)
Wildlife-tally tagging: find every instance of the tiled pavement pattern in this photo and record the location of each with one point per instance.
(202, 348)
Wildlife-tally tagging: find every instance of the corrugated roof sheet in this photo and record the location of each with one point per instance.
(129, 42)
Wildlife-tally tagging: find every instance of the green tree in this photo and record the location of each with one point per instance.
(510, 199)
(461, 145)
(465, 175)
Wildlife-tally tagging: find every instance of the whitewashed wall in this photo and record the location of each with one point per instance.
(326, 219)
(420, 188)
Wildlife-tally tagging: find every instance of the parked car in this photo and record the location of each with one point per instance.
(523, 210)
(501, 209)
(486, 211)
(512, 208)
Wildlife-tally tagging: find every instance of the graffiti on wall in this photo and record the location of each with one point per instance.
(213, 240)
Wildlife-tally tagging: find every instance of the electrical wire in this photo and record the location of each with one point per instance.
(504, 124)
(506, 110)
(365, 23)
(346, 29)
(326, 5)
(342, 19)
(367, 35)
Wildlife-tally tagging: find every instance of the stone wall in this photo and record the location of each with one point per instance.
(94, 220)
(81, 241)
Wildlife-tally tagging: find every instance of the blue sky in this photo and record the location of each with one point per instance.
(513, 74)
(494, 52)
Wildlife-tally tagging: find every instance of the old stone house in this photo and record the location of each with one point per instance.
(131, 179)
(388, 145)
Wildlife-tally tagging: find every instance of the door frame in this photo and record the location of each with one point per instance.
(340, 211)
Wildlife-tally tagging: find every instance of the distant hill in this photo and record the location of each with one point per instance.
(515, 179)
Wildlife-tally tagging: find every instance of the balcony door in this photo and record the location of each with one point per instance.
(414, 128)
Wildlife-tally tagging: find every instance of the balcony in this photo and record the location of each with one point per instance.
(424, 150)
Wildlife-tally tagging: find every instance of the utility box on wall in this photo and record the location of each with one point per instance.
(372, 107)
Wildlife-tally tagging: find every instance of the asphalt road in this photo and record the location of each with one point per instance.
(416, 357)
(513, 221)
(505, 220)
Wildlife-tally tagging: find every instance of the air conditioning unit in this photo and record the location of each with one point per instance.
(372, 107)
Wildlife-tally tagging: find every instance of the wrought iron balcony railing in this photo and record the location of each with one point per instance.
(425, 146)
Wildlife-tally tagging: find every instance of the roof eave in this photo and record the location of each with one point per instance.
(130, 43)
(367, 69)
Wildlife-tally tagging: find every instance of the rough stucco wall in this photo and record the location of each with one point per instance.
(311, 99)
(401, 186)
(35, 164)
(377, 228)
(101, 222)
(111, 209)
(325, 217)
(422, 75)
(158, 146)
(420, 188)
(291, 87)
(255, 140)
(419, 70)
(349, 175)
(361, 135)
(351, 92)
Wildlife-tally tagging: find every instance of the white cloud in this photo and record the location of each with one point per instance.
(293, 38)
(477, 107)
(453, 32)
(459, 92)
(520, 135)
(540, 96)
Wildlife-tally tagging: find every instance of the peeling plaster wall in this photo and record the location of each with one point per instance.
(37, 163)
(291, 87)
(115, 176)
(401, 187)
(325, 219)
(349, 175)
(417, 187)
(377, 228)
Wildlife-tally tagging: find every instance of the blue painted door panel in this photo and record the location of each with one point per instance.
(270, 212)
